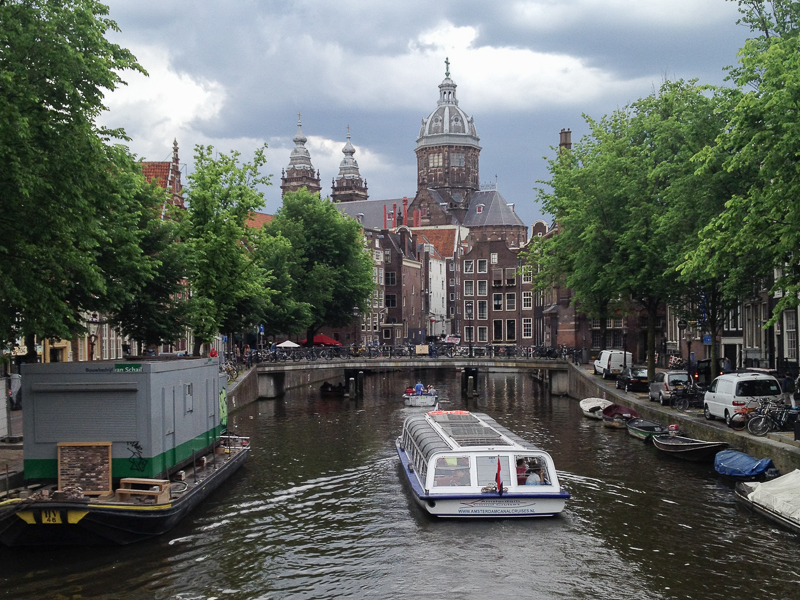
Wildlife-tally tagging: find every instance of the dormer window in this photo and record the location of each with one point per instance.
(480, 208)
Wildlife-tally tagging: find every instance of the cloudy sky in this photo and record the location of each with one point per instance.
(235, 75)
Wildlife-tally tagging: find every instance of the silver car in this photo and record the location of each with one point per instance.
(665, 383)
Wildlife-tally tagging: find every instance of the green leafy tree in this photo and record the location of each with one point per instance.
(331, 268)
(155, 310)
(63, 188)
(760, 226)
(229, 285)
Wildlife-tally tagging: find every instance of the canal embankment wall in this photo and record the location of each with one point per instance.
(780, 447)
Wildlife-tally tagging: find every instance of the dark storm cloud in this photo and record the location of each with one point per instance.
(375, 66)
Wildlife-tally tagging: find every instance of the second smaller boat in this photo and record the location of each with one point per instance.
(617, 416)
(644, 429)
(743, 467)
(592, 407)
(688, 448)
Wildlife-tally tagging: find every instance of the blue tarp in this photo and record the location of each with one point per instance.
(739, 464)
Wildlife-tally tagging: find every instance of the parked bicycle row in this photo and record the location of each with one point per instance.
(277, 354)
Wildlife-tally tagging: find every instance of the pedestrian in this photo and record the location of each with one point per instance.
(787, 385)
(726, 365)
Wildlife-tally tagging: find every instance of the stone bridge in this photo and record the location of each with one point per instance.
(274, 379)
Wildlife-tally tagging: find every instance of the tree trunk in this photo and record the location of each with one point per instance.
(30, 342)
(196, 347)
(652, 310)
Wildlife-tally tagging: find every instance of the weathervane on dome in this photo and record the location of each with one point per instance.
(447, 66)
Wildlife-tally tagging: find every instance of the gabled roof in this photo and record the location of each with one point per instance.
(372, 211)
(495, 211)
(158, 171)
(258, 220)
(444, 240)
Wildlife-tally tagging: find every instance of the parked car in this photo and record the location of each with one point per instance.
(610, 362)
(633, 379)
(664, 384)
(703, 374)
(728, 392)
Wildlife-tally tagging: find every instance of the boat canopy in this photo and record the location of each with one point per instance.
(780, 495)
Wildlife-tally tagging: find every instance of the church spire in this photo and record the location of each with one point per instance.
(300, 172)
(348, 185)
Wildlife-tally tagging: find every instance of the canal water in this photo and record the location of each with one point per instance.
(319, 511)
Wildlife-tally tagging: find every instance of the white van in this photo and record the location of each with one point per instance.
(609, 363)
(729, 392)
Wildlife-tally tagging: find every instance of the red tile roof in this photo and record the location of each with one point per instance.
(444, 240)
(258, 220)
(158, 171)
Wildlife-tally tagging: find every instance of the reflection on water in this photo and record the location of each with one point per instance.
(320, 511)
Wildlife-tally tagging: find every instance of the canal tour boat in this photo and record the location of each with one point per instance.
(462, 464)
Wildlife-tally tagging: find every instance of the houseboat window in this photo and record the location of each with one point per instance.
(487, 470)
(452, 470)
(531, 470)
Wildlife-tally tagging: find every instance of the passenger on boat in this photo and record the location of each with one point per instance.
(431, 391)
(521, 468)
(409, 391)
(534, 477)
(419, 388)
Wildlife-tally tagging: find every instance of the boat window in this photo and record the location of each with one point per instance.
(452, 470)
(531, 470)
(487, 470)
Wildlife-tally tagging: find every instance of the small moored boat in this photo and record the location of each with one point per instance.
(777, 500)
(741, 466)
(617, 416)
(462, 464)
(688, 448)
(592, 407)
(644, 429)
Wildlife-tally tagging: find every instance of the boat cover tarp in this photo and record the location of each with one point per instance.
(781, 495)
(594, 404)
(617, 410)
(738, 464)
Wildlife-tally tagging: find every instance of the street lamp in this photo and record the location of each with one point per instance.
(624, 347)
(469, 310)
(94, 324)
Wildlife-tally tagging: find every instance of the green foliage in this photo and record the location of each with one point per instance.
(329, 266)
(629, 203)
(67, 197)
(760, 226)
(229, 286)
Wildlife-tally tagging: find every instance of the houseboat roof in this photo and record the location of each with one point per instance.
(443, 431)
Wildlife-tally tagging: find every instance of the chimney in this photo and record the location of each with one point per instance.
(405, 211)
(384, 216)
(565, 142)
(394, 215)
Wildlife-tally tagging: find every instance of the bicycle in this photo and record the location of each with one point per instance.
(744, 412)
(774, 418)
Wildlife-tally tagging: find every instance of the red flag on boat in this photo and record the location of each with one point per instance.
(498, 479)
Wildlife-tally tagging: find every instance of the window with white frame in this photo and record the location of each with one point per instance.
(468, 334)
(469, 308)
(511, 330)
(469, 287)
(469, 267)
(435, 160)
(452, 282)
(483, 288)
(790, 324)
(527, 274)
(497, 301)
(483, 310)
(483, 334)
(483, 265)
(527, 328)
(511, 302)
(452, 297)
(493, 258)
(527, 300)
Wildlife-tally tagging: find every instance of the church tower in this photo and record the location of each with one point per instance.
(448, 149)
(300, 172)
(348, 185)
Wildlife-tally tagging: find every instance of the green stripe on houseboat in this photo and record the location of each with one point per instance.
(135, 466)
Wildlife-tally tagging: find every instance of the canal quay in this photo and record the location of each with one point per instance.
(320, 511)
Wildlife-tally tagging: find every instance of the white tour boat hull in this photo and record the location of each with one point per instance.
(458, 477)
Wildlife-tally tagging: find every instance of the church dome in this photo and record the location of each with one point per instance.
(448, 124)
